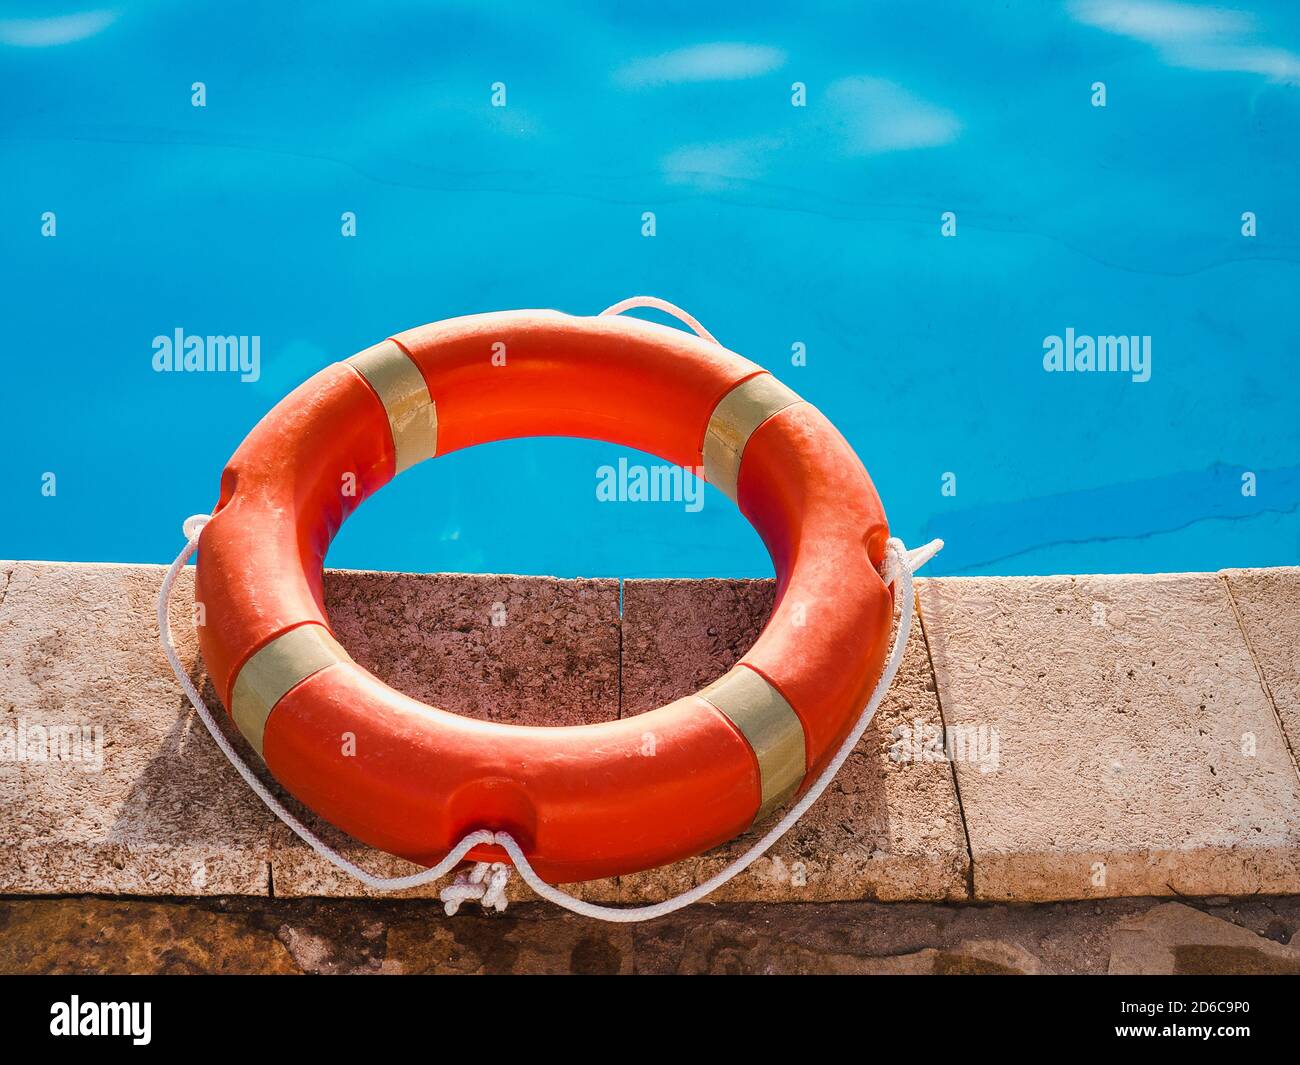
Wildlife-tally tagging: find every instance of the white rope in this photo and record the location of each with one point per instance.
(486, 881)
(659, 305)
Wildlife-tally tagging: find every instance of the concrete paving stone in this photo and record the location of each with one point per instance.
(109, 783)
(1138, 753)
(887, 828)
(1266, 602)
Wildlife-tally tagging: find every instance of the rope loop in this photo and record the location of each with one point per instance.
(192, 527)
(660, 305)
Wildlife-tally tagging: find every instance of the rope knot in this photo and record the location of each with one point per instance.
(194, 525)
(485, 884)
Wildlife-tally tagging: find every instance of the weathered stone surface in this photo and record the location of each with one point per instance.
(1138, 752)
(166, 814)
(521, 650)
(1174, 938)
(550, 944)
(887, 828)
(70, 936)
(886, 938)
(162, 812)
(1266, 602)
(252, 934)
(279, 936)
(790, 944)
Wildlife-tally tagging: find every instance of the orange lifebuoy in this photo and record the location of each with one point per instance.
(583, 801)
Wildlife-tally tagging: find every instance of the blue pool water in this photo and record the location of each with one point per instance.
(776, 225)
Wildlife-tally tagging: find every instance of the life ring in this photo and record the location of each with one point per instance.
(583, 801)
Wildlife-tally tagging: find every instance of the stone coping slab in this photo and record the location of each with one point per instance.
(1089, 736)
(1137, 750)
(142, 802)
(1266, 604)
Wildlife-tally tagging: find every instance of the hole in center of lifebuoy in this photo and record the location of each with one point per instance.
(583, 647)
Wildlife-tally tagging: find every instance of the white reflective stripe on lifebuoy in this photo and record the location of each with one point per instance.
(770, 726)
(401, 388)
(273, 670)
(734, 419)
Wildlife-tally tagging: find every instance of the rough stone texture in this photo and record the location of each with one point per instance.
(887, 828)
(1266, 607)
(252, 935)
(118, 936)
(166, 814)
(1138, 752)
(334, 936)
(1124, 708)
(1174, 938)
(522, 650)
